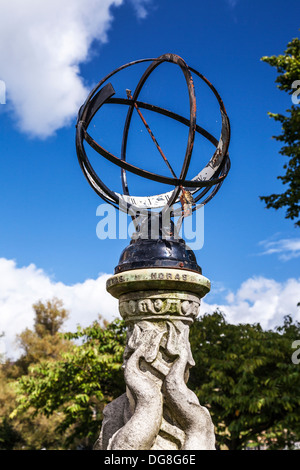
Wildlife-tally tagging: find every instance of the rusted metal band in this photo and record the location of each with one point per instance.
(192, 122)
(209, 179)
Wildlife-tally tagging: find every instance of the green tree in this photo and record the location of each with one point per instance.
(243, 374)
(44, 342)
(247, 379)
(288, 80)
(78, 385)
(10, 437)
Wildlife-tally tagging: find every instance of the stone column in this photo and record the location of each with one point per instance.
(157, 411)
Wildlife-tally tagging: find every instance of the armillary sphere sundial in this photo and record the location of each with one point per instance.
(157, 280)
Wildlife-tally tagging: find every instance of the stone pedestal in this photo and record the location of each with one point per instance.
(157, 411)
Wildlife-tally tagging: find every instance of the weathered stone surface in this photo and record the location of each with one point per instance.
(159, 305)
(158, 411)
(158, 279)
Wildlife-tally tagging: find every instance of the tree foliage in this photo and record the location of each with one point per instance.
(45, 340)
(42, 343)
(79, 385)
(288, 80)
(243, 374)
(246, 377)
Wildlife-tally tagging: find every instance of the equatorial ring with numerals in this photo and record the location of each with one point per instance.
(200, 189)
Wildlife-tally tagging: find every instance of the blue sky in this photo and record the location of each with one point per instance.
(48, 242)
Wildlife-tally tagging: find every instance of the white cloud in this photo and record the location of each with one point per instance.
(21, 287)
(140, 7)
(258, 300)
(286, 249)
(42, 44)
